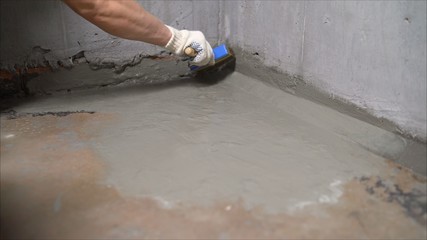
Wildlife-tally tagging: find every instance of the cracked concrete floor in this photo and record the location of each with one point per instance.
(238, 159)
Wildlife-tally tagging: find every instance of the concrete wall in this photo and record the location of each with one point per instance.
(36, 31)
(372, 54)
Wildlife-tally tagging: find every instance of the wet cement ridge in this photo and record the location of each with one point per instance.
(12, 114)
(414, 202)
(251, 64)
(14, 80)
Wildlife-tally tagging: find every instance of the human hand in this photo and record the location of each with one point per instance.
(182, 39)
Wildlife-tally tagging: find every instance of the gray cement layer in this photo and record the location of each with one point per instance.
(167, 69)
(196, 143)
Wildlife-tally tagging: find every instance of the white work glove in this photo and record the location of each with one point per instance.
(181, 39)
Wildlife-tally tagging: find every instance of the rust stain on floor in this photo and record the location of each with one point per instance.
(50, 188)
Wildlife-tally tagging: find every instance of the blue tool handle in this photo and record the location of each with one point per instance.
(219, 52)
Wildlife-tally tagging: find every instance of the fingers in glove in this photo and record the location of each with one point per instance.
(204, 55)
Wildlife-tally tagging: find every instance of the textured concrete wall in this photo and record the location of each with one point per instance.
(36, 31)
(372, 54)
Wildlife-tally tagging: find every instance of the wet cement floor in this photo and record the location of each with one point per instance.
(238, 159)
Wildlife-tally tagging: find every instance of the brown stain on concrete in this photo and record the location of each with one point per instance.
(50, 188)
(403, 176)
(17, 72)
(46, 157)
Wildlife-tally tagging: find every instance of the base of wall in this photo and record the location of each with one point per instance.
(165, 69)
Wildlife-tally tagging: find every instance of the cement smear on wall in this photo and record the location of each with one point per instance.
(84, 73)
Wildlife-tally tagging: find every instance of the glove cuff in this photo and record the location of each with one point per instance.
(177, 41)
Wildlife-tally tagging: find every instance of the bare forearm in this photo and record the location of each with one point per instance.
(123, 18)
